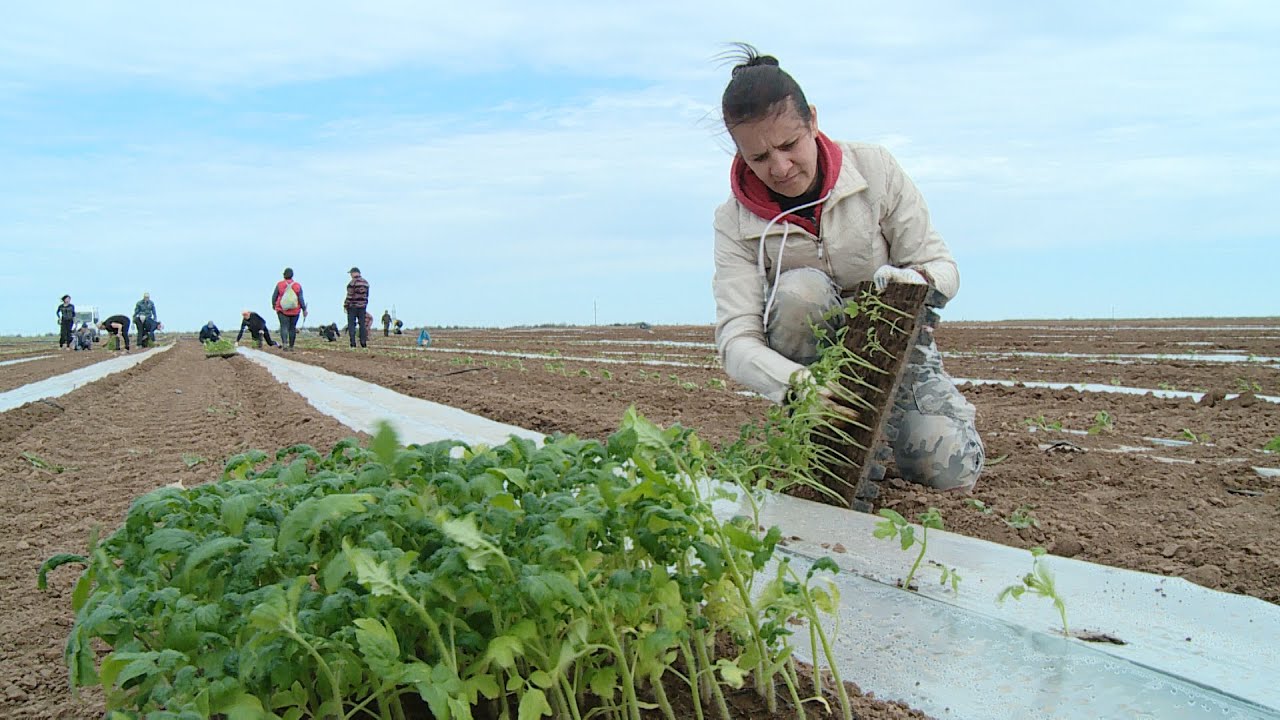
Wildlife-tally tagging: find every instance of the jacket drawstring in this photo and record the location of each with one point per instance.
(777, 271)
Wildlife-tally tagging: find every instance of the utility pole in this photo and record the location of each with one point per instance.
(595, 312)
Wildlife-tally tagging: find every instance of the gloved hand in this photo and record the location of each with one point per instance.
(888, 273)
(803, 379)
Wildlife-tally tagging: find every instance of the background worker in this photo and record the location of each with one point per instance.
(355, 305)
(66, 321)
(288, 302)
(144, 315)
(118, 327)
(85, 337)
(330, 332)
(386, 323)
(210, 332)
(776, 272)
(257, 328)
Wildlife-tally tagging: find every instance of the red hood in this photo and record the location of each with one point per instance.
(754, 194)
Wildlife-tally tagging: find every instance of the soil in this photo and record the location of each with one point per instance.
(1197, 510)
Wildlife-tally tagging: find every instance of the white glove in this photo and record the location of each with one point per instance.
(888, 273)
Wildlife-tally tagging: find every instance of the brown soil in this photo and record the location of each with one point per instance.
(1197, 511)
(44, 365)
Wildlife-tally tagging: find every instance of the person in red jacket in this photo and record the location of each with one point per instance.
(289, 304)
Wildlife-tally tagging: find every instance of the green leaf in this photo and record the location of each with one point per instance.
(503, 651)
(711, 557)
(235, 510)
(378, 646)
(732, 675)
(164, 540)
(57, 561)
(533, 705)
(272, 611)
(908, 536)
(885, 529)
(464, 532)
(485, 685)
(541, 679)
(385, 443)
(208, 550)
(125, 666)
(310, 516)
(893, 516)
(823, 563)
(604, 682)
(370, 573)
(241, 706)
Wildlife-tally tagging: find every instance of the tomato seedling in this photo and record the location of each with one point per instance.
(896, 526)
(1038, 582)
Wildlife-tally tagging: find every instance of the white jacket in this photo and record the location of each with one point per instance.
(874, 216)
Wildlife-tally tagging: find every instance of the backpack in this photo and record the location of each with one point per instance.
(289, 298)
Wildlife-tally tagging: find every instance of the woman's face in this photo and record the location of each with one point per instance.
(781, 149)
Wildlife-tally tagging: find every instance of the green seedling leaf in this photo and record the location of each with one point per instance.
(39, 462)
(191, 460)
(378, 645)
(533, 705)
(1021, 518)
(1273, 445)
(55, 562)
(1039, 581)
(978, 505)
(1102, 423)
(894, 525)
(311, 515)
(385, 443)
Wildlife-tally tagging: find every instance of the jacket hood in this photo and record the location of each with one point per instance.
(754, 195)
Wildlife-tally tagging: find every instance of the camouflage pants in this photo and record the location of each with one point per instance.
(931, 431)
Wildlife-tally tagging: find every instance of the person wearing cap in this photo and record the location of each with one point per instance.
(288, 303)
(257, 328)
(386, 323)
(210, 332)
(144, 317)
(66, 321)
(356, 305)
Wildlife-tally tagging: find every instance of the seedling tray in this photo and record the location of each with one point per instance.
(883, 337)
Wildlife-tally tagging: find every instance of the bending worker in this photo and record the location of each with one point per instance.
(807, 218)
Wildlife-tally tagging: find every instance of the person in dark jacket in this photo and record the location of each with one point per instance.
(144, 315)
(386, 323)
(257, 328)
(330, 332)
(118, 327)
(66, 321)
(210, 332)
(356, 304)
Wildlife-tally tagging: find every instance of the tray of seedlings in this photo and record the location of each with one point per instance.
(851, 392)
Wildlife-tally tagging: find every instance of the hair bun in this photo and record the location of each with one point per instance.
(756, 61)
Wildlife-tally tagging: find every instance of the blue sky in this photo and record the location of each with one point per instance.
(498, 164)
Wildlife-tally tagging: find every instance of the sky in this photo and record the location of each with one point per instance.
(512, 163)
